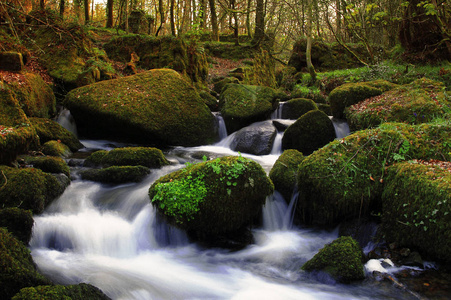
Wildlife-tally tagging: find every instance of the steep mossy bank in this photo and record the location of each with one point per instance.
(154, 107)
(212, 197)
(179, 54)
(417, 207)
(17, 269)
(345, 178)
(418, 102)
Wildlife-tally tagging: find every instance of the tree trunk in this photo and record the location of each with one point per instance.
(235, 22)
(248, 18)
(259, 33)
(308, 52)
(126, 15)
(86, 5)
(42, 4)
(62, 4)
(214, 21)
(171, 16)
(109, 13)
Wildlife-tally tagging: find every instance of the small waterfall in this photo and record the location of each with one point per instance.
(277, 114)
(341, 127)
(277, 145)
(66, 120)
(277, 215)
(222, 130)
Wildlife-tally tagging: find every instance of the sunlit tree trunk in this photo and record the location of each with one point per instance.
(162, 16)
(259, 33)
(171, 16)
(308, 52)
(109, 13)
(214, 21)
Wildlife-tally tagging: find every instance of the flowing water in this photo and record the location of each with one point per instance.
(111, 237)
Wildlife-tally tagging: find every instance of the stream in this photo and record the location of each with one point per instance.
(111, 237)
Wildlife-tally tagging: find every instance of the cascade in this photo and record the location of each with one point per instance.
(66, 120)
(277, 114)
(222, 130)
(341, 127)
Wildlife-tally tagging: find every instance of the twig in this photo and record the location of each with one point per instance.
(6, 181)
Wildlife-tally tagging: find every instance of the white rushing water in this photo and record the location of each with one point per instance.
(111, 237)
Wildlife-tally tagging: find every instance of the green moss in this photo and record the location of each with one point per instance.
(417, 207)
(242, 105)
(262, 72)
(48, 164)
(341, 259)
(16, 134)
(295, 108)
(27, 188)
(56, 148)
(158, 106)
(50, 130)
(17, 269)
(116, 174)
(219, 85)
(209, 100)
(284, 172)
(352, 93)
(418, 102)
(216, 196)
(345, 178)
(182, 55)
(35, 96)
(325, 108)
(128, 156)
(308, 92)
(228, 50)
(61, 292)
(19, 222)
(311, 131)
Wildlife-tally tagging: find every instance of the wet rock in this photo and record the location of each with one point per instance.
(282, 125)
(256, 139)
(414, 260)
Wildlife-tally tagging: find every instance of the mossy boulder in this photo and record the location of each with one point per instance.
(17, 269)
(242, 105)
(182, 55)
(34, 95)
(209, 100)
(154, 107)
(50, 130)
(345, 178)
(295, 108)
(16, 133)
(19, 223)
(284, 172)
(128, 156)
(311, 131)
(61, 292)
(352, 93)
(219, 85)
(56, 148)
(342, 260)
(28, 188)
(11, 61)
(212, 197)
(418, 102)
(48, 164)
(416, 206)
(116, 174)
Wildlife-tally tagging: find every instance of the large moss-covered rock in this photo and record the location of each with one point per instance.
(284, 172)
(219, 85)
(48, 164)
(158, 106)
(213, 197)
(311, 131)
(17, 269)
(50, 130)
(28, 188)
(341, 259)
(116, 174)
(257, 138)
(414, 103)
(352, 93)
(61, 292)
(19, 222)
(128, 156)
(242, 105)
(417, 207)
(34, 95)
(184, 56)
(345, 178)
(16, 133)
(295, 108)
(56, 148)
